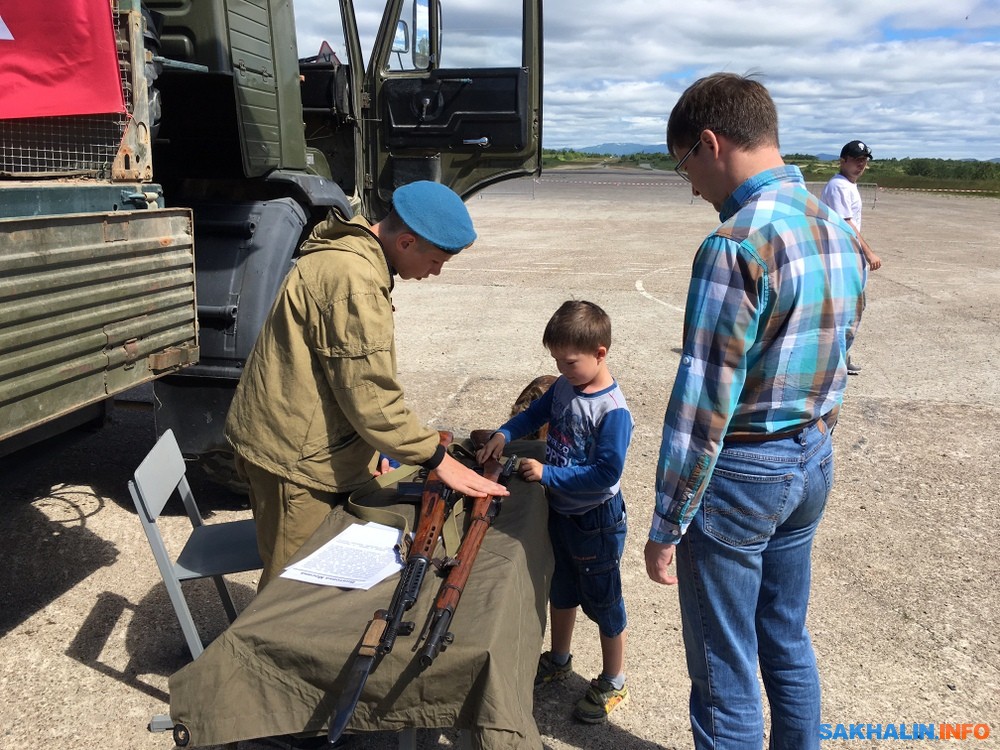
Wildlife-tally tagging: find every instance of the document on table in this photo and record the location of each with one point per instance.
(357, 558)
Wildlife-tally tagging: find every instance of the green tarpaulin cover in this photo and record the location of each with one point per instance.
(281, 666)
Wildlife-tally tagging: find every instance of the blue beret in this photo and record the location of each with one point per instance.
(436, 213)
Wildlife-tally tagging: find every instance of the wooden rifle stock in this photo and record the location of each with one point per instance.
(484, 512)
(380, 634)
(435, 507)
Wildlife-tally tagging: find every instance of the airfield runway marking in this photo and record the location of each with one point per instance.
(618, 183)
(534, 269)
(639, 288)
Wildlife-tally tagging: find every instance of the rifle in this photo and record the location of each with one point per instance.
(380, 635)
(484, 513)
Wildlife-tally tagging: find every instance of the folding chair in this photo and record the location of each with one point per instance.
(211, 550)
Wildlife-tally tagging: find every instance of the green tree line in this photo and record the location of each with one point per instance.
(954, 174)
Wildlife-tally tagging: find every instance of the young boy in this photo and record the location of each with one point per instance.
(842, 195)
(589, 429)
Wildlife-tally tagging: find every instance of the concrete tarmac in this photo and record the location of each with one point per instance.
(905, 565)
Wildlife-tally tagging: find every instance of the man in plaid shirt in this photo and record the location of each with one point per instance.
(746, 460)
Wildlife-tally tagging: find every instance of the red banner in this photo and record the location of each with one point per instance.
(58, 57)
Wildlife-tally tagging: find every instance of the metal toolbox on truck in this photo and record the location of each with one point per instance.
(91, 305)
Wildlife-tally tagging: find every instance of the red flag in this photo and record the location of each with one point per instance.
(58, 57)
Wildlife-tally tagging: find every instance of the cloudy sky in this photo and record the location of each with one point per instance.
(909, 77)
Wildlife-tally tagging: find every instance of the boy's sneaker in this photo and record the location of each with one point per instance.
(601, 699)
(549, 671)
(853, 369)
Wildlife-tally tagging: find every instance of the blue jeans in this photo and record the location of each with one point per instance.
(587, 549)
(744, 575)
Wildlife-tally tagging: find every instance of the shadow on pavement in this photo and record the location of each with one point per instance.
(43, 555)
(553, 712)
(154, 643)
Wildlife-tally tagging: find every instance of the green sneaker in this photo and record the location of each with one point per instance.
(601, 699)
(549, 671)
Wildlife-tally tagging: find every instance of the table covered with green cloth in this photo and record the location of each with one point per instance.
(280, 667)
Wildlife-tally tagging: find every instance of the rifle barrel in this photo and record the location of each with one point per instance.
(378, 639)
(484, 513)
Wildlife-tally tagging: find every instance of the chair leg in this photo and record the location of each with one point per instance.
(160, 723)
(183, 612)
(227, 598)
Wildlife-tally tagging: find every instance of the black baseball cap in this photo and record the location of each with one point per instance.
(854, 149)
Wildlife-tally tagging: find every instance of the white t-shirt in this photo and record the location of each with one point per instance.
(843, 196)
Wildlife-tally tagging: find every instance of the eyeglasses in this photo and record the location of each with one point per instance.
(688, 155)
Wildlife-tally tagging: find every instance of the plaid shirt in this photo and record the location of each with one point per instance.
(774, 291)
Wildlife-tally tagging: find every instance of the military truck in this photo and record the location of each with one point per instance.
(97, 285)
(242, 145)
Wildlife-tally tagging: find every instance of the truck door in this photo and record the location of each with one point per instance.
(453, 95)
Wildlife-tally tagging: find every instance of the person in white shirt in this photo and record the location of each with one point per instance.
(842, 195)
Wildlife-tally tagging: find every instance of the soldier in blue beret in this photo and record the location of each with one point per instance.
(319, 402)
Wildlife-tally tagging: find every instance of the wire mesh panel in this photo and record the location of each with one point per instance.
(69, 145)
(60, 145)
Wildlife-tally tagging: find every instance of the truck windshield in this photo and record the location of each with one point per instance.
(473, 36)
(321, 32)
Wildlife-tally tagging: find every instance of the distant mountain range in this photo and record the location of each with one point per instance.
(627, 149)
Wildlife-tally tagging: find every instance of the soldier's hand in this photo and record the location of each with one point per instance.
(462, 479)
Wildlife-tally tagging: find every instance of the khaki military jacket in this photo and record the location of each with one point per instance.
(319, 396)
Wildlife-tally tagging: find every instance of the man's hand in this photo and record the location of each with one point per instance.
(531, 470)
(493, 449)
(658, 559)
(462, 479)
(874, 262)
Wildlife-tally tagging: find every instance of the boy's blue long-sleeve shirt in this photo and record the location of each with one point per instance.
(774, 292)
(588, 437)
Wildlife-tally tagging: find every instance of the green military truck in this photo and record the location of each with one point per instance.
(159, 259)
(97, 283)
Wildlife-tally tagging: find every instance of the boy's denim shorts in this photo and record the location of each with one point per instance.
(588, 551)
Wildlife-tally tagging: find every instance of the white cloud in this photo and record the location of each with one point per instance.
(911, 77)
